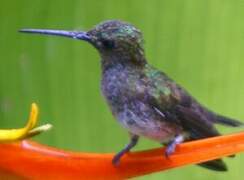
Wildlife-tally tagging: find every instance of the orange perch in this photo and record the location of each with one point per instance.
(34, 161)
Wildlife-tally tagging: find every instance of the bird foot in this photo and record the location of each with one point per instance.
(128, 147)
(170, 148)
(116, 159)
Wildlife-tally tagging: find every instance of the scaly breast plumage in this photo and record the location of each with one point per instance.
(118, 87)
(141, 119)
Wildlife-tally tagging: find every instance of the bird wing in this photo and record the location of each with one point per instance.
(178, 107)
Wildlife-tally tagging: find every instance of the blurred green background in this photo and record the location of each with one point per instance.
(199, 43)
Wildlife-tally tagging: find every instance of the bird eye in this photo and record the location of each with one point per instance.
(109, 44)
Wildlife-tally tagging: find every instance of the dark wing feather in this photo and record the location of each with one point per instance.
(178, 106)
(194, 124)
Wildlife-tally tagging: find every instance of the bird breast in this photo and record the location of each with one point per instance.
(120, 86)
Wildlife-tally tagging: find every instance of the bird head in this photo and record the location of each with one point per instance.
(115, 40)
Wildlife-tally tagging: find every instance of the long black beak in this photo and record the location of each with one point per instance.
(70, 34)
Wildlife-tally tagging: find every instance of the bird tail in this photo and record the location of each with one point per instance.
(215, 165)
(218, 164)
(228, 121)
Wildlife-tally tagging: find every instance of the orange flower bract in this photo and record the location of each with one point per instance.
(30, 160)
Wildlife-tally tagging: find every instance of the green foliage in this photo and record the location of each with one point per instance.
(198, 43)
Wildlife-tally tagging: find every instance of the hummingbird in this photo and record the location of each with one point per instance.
(144, 100)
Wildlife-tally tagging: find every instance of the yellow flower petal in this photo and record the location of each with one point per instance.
(26, 132)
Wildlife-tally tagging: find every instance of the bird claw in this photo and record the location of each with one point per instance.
(170, 149)
(116, 160)
(128, 147)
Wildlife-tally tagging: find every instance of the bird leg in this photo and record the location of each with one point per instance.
(127, 148)
(170, 148)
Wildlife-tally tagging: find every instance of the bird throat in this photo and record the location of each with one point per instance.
(137, 60)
